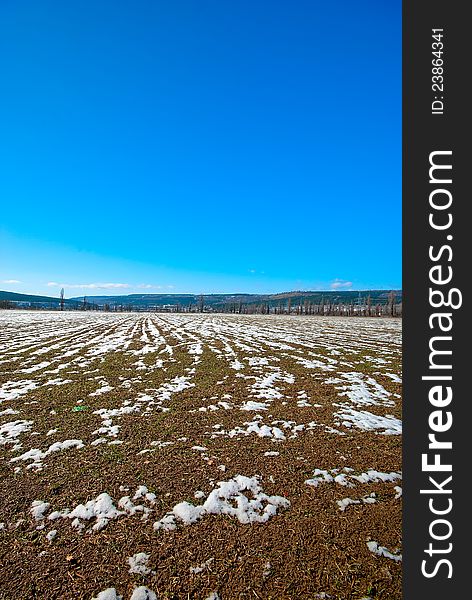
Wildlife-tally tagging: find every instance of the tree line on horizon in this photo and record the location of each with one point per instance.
(363, 306)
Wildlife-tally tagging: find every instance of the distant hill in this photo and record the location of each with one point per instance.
(216, 301)
(212, 302)
(37, 301)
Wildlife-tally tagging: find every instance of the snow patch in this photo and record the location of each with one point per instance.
(138, 563)
(382, 551)
(345, 477)
(228, 498)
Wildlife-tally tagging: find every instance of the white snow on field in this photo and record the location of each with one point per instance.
(195, 349)
(241, 497)
(138, 563)
(318, 365)
(347, 477)
(257, 361)
(256, 427)
(143, 593)
(51, 535)
(108, 594)
(363, 419)
(8, 411)
(38, 508)
(345, 502)
(302, 400)
(143, 492)
(278, 430)
(144, 403)
(107, 416)
(38, 367)
(100, 510)
(37, 456)
(375, 548)
(394, 377)
(58, 381)
(85, 338)
(265, 387)
(279, 373)
(203, 567)
(11, 390)
(361, 389)
(251, 405)
(103, 389)
(139, 593)
(10, 431)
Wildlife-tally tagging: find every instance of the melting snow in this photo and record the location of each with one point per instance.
(367, 421)
(138, 563)
(345, 502)
(143, 593)
(382, 551)
(346, 477)
(38, 508)
(108, 594)
(37, 456)
(222, 500)
(10, 431)
(202, 567)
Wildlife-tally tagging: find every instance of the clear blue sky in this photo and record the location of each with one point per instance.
(200, 145)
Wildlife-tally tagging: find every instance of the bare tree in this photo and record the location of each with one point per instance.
(62, 299)
(7, 304)
(391, 302)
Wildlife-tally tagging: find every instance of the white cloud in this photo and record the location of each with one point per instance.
(107, 286)
(340, 284)
(11, 281)
(90, 286)
(148, 286)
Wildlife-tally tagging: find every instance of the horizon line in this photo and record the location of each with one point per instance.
(308, 291)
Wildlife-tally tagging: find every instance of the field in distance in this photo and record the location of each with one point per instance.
(177, 456)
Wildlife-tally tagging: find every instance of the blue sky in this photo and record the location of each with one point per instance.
(200, 146)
